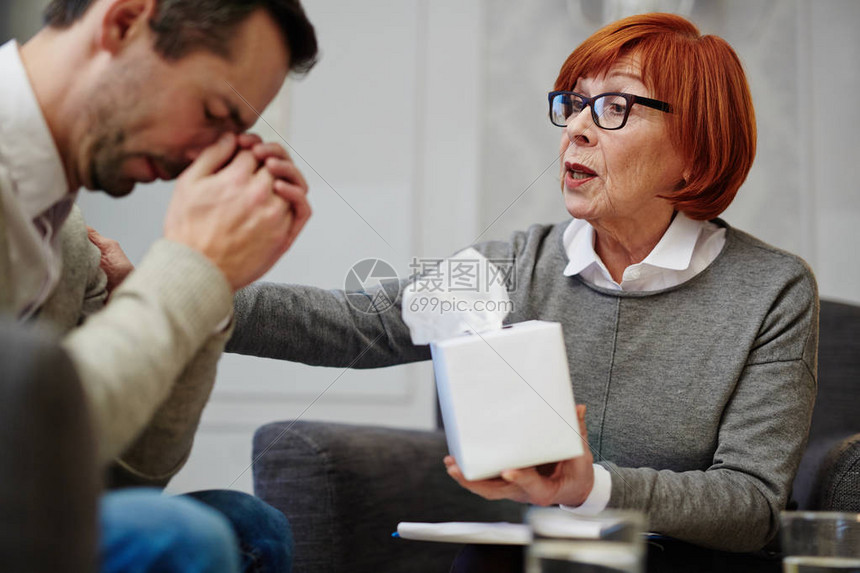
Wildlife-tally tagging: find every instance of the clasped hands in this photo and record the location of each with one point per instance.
(241, 203)
(568, 482)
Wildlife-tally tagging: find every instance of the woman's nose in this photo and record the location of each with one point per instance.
(579, 126)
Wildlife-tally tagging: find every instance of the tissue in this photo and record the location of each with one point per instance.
(505, 393)
(462, 294)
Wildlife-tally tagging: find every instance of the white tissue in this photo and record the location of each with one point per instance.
(443, 306)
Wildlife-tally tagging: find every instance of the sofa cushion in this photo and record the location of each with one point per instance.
(344, 488)
(835, 417)
(840, 478)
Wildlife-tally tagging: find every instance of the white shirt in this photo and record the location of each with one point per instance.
(685, 249)
(33, 188)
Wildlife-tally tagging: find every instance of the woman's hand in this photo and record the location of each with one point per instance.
(566, 482)
(114, 262)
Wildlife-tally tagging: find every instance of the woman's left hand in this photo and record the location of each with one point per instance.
(114, 263)
(566, 482)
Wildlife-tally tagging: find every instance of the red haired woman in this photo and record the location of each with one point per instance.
(692, 344)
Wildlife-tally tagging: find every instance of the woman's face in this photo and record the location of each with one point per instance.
(611, 177)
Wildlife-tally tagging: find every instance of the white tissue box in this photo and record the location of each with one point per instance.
(506, 398)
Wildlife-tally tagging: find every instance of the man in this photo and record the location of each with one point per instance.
(111, 93)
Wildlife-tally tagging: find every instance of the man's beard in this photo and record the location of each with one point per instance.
(112, 117)
(108, 157)
(106, 164)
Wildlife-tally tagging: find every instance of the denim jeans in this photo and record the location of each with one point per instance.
(265, 536)
(214, 531)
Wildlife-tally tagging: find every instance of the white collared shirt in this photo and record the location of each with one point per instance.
(33, 188)
(685, 249)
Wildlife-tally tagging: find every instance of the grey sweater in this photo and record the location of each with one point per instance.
(699, 396)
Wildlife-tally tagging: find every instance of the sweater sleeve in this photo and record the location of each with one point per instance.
(324, 327)
(332, 327)
(734, 504)
(130, 354)
(163, 447)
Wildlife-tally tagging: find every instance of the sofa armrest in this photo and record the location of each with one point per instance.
(344, 488)
(49, 476)
(839, 477)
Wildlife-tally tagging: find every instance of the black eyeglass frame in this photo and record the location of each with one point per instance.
(589, 101)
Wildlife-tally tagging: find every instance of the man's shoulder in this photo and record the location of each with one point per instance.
(79, 277)
(75, 241)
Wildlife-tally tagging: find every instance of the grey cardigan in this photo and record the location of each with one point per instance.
(699, 396)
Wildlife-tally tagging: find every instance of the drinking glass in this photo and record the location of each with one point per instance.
(563, 542)
(820, 542)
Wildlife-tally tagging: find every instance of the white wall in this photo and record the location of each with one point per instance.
(20, 19)
(439, 136)
(802, 60)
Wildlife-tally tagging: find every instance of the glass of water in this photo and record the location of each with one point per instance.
(563, 542)
(820, 542)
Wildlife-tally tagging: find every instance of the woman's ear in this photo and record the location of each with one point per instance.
(123, 21)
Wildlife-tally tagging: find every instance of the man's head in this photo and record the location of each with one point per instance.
(165, 78)
(182, 26)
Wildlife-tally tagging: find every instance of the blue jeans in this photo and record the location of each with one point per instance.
(215, 531)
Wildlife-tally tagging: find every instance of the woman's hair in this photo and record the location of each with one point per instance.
(712, 121)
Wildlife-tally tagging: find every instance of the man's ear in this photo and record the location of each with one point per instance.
(124, 21)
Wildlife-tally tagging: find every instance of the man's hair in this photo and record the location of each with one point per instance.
(712, 122)
(182, 26)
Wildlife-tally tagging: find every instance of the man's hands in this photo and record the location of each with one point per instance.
(566, 482)
(241, 213)
(289, 182)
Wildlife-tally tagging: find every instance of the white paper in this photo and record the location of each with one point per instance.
(568, 526)
(436, 309)
(500, 533)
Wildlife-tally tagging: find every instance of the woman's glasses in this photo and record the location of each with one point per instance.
(609, 110)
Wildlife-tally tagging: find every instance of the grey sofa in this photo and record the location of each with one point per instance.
(829, 474)
(345, 488)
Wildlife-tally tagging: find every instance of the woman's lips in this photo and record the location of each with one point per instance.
(577, 174)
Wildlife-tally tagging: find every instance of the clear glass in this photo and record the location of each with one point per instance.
(820, 542)
(563, 542)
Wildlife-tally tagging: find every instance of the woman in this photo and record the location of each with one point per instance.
(692, 344)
